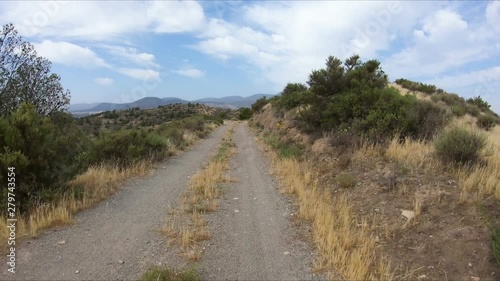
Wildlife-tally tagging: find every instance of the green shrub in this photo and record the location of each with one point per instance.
(346, 180)
(290, 150)
(46, 151)
(416, 86)
(166, 274)
(291, 99)
(125, 147)
(272, 140)
(480, 103)
(473, 110)
(259, 104)
(486, 121)
(245, 113)
(459, 145)
(458, 110)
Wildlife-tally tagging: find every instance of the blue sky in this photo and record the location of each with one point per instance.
(121, 51)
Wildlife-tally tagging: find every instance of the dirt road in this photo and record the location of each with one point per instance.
(253, 238)
(118, 238)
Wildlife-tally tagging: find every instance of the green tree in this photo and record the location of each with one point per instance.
(26, 77)
(47, 152)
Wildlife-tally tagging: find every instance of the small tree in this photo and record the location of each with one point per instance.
(479, 102)
(26, 77)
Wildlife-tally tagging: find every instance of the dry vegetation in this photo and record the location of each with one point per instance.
(480, 180)
(94, 185)
(391, 211)
(345, 244)
(186, 225)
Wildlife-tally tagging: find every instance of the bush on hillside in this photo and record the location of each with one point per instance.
(259, 104)
(46, 151)
(459, 145)
(416, 86)
(486, 121)
(458, 110)
(245, 113)
(480, 103)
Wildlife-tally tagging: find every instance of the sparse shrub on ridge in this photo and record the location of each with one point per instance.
(417, 86)
(486, 121)
(461, 146)
(259, 104)
(480, 103)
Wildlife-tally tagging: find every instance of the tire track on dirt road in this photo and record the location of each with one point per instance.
(253, 238)
(118, 239)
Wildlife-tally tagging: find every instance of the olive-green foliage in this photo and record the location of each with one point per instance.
(479, 102)
(45, 150)
(346, 180)
(245, 113)
(487, 121)
(293, 96)
(259, 104)
(285, 148)
(458, 110)
(417, 86)
(352, 96)
(382, 113)
(460, 146)
(166, 274)
(125, 147)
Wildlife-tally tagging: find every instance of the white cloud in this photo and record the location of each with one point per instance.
(493, 15)
(101, 20)
(104, 81)
(140, 74)
(69, 54)
(286, 40)
(133, 56)
(191, 72)
(444, 41)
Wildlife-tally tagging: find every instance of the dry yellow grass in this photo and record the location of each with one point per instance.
(94, 185)
(345, 245)
(201, 196)
(483, 180)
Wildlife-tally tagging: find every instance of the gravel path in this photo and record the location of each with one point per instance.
(253, 238)
(118, 238)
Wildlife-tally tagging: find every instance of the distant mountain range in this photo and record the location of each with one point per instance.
(153, 102)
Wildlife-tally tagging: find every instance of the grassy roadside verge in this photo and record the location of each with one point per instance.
(186, 225)
(346, 248)
(97, 183)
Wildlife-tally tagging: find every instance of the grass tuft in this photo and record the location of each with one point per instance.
(166, 274)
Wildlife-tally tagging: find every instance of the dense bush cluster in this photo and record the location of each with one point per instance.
(417, 86)
(45, 150)
(352, 96)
